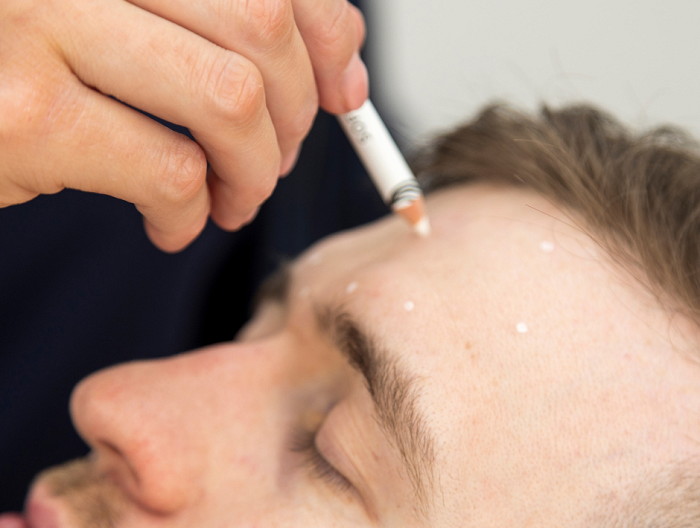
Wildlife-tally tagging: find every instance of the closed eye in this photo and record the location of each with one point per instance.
(304, 443)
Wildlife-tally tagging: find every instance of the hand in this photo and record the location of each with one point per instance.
(245, 76)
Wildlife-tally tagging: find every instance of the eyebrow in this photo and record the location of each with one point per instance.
(394, 390)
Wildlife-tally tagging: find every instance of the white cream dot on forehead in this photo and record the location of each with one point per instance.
(351, 287)
(408, 306)
(546, 246)
(304, 292)
(521, 328)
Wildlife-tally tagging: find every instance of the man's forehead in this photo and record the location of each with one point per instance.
(459, 212)
(507, 315)
(500, 270)
(412, 288)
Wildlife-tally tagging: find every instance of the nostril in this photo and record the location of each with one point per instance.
(155, 483)
(129, 416)
(110, 461)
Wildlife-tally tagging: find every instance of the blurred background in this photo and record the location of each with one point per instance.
(436, 62)
(82, 287)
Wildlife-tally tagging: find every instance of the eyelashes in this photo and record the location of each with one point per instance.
(304, 443)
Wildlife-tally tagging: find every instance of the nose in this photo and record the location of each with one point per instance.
(159, 427)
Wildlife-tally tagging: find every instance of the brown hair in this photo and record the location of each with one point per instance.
(637, 195)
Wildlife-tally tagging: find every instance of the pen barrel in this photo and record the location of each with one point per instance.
(383, 160)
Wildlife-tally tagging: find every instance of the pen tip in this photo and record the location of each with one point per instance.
(422, 228)
(414, 213)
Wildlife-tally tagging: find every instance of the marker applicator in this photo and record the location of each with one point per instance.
(386, 165)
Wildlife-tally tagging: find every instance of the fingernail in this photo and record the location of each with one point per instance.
(354, 84)
(289, 161)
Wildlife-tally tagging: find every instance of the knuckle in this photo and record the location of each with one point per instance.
(335, 32)
(235, 90)
(35, 106)
(21, 14)
(267, 23)
(35, 119)
(181, 172)
(22, 108)
(38, 93)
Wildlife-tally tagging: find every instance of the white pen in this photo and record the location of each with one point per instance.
(386, 165)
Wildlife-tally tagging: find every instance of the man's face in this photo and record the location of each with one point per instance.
(497, 373)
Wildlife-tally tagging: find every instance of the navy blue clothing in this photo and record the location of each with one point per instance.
(81, 287)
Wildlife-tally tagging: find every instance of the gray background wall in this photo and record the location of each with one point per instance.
(437, 61)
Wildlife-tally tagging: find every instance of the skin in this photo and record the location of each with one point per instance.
(245, 77)
(531, 429)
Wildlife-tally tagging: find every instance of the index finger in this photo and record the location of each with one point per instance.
(157, 66)
(333, 31)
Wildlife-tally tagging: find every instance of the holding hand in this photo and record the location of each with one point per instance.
(245, 76)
